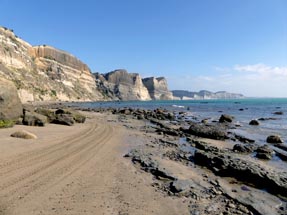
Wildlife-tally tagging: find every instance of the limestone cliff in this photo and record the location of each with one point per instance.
(43, 73)
(157, 88)
(123, 85)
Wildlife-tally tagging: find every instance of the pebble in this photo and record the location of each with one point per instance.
(231, 205)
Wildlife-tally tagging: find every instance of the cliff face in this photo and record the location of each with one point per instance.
(204, 94)
(124, 86)
(158, 88)
(44, 73)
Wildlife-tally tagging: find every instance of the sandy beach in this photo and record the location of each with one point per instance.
(76, 170)
(119, 163)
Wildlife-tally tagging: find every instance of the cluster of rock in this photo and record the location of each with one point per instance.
(249, 177)
(204, 94)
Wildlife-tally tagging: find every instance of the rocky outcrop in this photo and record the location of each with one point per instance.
(228, 165)
(123, 85)
(204, 94)
(158, 88)
(44, 73)
(10, 105)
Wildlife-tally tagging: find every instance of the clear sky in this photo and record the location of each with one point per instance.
(234, 45)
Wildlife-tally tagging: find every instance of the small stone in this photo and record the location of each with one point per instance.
(231, 205)
(225, 118)
(254, 122)
(24, 135)
(278, 113)
(274, 139)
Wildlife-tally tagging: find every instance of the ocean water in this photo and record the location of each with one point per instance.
(243, 111)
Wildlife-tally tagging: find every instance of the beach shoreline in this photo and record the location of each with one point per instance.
(118, 162)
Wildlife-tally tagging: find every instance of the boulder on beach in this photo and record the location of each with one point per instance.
(254, 122)
(207, 131)
(24, 135)
(10, 104)
(225, 118)
(77, 116)
(180, 186)
(274, 139)
(33, 119)
(243, 148)
(64, 119)
(264, 152)
(46, 112)
(226, 164)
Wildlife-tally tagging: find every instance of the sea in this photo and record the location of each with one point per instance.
(243, 111)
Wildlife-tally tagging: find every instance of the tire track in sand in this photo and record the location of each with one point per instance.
(46, 169)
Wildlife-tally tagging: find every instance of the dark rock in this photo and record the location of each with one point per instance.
(77, 116)
(225, 118)
(274, 139)
(140, 117)
(33, 119)
(280, 146)
(278, 113)
(281, 154)
(149, 165)
(254, 122)
(10, 104)
(60, 111)
(264, 152)
(243, 148)
(51, 115)
(64, 119)
(270, 118)
(180, 186)
(243, 139)
(207, 131)
(263, 156)
(204, 146)
(168, 131)
(227, 165)
(125, 111)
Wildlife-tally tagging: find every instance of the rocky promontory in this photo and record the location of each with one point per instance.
(158, 88)
(119, 84)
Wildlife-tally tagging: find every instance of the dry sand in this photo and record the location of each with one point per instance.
(76, 170)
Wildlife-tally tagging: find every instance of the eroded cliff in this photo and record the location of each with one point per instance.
(44, 73)
(124, 85)
(158, 88)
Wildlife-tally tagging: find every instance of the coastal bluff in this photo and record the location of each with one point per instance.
(45, 73)
(119, 84)
(158, 88)
(204, 94)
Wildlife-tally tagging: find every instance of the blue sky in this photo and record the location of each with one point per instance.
(233, 45)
